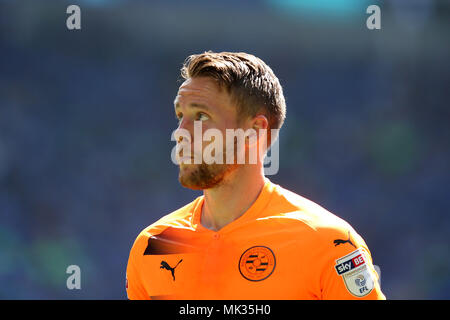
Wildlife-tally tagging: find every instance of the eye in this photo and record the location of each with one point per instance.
(201, 116)
(179, 116)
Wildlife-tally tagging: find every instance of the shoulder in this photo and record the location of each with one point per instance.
(179, 218)
(321, 224)
(328, 237)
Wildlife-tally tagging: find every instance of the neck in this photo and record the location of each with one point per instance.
(232, 198)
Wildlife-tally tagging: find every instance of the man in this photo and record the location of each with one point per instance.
(246, 237)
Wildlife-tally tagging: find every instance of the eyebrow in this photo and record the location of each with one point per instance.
(193, 105)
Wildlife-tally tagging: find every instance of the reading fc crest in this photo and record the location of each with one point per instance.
(257, 263)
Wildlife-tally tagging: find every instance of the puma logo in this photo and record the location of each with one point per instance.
(340, 241)
(165, 265)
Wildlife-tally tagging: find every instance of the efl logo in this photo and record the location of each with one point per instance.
(350, 264)
(356, 272)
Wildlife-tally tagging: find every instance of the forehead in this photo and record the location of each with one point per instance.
(201, 89)
(198, 84)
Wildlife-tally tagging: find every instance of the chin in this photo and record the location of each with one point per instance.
(200, 177)
(187, 182)
(190, 186)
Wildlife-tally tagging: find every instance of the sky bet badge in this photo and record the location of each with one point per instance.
(357, 275)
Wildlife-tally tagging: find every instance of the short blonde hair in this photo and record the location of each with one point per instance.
(250, 82)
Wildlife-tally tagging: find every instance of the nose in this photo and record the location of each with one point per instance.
(182, 135)
(185, 130)
(184, 123)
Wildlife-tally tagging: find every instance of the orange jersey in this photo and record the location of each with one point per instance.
(283, 247)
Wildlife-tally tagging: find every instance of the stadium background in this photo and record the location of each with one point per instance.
(86, 118)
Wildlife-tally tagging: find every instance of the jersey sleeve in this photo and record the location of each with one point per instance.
(134, 287)
(346, 268)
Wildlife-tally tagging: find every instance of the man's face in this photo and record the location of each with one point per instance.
(200, 99)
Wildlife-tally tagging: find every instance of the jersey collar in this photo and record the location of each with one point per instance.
(252, 213)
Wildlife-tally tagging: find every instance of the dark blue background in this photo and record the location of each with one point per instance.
(86, 118)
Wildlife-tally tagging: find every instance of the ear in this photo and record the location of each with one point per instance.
(259, 122)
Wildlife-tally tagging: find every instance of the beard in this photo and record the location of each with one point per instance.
(203, 176)
(206, 176)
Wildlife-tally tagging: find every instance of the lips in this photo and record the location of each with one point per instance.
(185, 160)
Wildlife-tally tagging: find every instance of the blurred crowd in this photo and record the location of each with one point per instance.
(86, 118)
